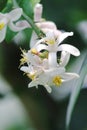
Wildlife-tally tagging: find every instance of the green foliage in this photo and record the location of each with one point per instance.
(2, 4)
(76, 92)
(28, 6)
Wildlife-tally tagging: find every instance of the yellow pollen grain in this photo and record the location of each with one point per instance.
(57, 80)
(2, 25)
(51, 41)
(34, 51)
(31, 76)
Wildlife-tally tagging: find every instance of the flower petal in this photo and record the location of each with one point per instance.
(15, 14)
(48, 88)
(3, 34)
(34, 39)
(41, 47)
(69, 76)
(65, 56)
(33, 84)
(69, 48)
(52, 59)
(24, 69)
(38, 12)
(21, 25)
(64, 35)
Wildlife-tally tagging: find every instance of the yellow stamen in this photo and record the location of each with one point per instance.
(34, 51)
(31, 76)
(57, 80)
(24, 57)
(2, 25)
(51, 41)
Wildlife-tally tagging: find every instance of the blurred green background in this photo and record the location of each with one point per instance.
(35, 109)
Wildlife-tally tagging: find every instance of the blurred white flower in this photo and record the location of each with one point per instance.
(8, 19)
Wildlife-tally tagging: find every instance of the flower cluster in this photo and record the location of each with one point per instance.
(43, 65)
(45, 62)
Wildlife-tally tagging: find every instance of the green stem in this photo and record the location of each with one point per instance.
(35, 28)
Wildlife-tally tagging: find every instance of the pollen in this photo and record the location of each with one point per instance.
(57, 80)
(2, 25)
(31, 76)
(34, 51)
(51, 41)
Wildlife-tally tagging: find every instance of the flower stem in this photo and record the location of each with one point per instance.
(35, 28)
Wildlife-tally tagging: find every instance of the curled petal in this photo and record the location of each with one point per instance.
(69, 48)
(69, 76)
(3, 34)
(18, 26)
(65, 56)
(64, 35)
(15, 14)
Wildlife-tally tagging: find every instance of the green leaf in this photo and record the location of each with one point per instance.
(2, 4)
(28, 6)
(76, 91)
(9, 35)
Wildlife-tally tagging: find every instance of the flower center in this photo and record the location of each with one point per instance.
(2, 25)
(34, 51)
(31, 76)
(51, 41)
(57, 80)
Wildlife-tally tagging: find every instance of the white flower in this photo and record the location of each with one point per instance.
(51, 43)
(52, 77)
(8, 19)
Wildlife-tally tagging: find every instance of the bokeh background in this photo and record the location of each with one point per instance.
(22, 108)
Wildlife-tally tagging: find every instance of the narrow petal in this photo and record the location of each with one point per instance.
(3, 34)
(69, 48)
(33, 40)
(65, 56)
(52, 59)
(38, 12)
(69, 76)
(48, 88)
(64, 35)
(15, 14)
(18, 26)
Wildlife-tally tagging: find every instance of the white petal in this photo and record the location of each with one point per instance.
(21, 25)
(69, 76)
(33, 40)
(3, 34)
(15, 14)
(48, 88)
(46, 25)
(69, 48)
(55, 71)
(41, 47)
(38, 12)
(52, 59)
(25, 69)
(65, 56)
(33, 83)
(64, 35)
